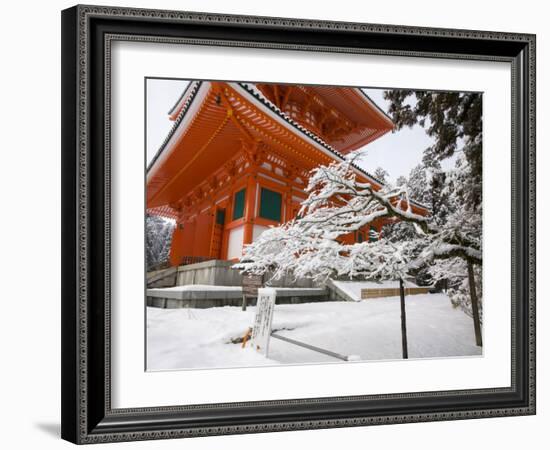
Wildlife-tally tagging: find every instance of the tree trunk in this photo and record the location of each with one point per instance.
(403, 320)
(244, 303)
(475, 304)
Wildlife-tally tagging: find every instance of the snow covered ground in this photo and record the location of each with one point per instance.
(201, 338)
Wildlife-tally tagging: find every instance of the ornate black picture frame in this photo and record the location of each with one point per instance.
(87, 414)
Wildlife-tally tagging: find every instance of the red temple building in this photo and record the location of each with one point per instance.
(238, 156)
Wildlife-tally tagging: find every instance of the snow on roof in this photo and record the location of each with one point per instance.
(193, 88)
(181, 97)
(373, 103)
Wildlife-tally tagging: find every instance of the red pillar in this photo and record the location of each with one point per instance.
(249, 212)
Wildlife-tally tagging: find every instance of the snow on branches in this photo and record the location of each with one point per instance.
(312, 245)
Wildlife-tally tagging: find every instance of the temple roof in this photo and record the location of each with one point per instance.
(180, 108)
(344, 117)
(217, 133)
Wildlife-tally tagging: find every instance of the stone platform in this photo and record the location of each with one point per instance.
(213, 273)
(208, 297)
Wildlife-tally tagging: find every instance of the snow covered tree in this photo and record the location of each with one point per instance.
(158, 237)
(441, 203)
(453, 119)
(311, 246)
(401, 181)
(381, 175)
(338, 204)
(455, 272)
(418, 189)
(419, 185)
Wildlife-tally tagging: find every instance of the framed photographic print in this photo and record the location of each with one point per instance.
(281, 224)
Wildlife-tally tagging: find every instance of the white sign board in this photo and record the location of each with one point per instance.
(261, 330)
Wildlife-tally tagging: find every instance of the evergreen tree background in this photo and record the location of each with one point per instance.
(158, 237)
(454, 121)
(381, 175)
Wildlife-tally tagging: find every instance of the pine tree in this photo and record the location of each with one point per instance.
(453, 119)
(158, 237)
(418, 185)
(401, 181)
(381, 175)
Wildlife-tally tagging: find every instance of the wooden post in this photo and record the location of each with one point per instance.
(475, 304)
(250, 286)
(403, 320)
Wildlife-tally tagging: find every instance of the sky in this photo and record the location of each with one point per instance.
(161, 96)
(396, 152)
